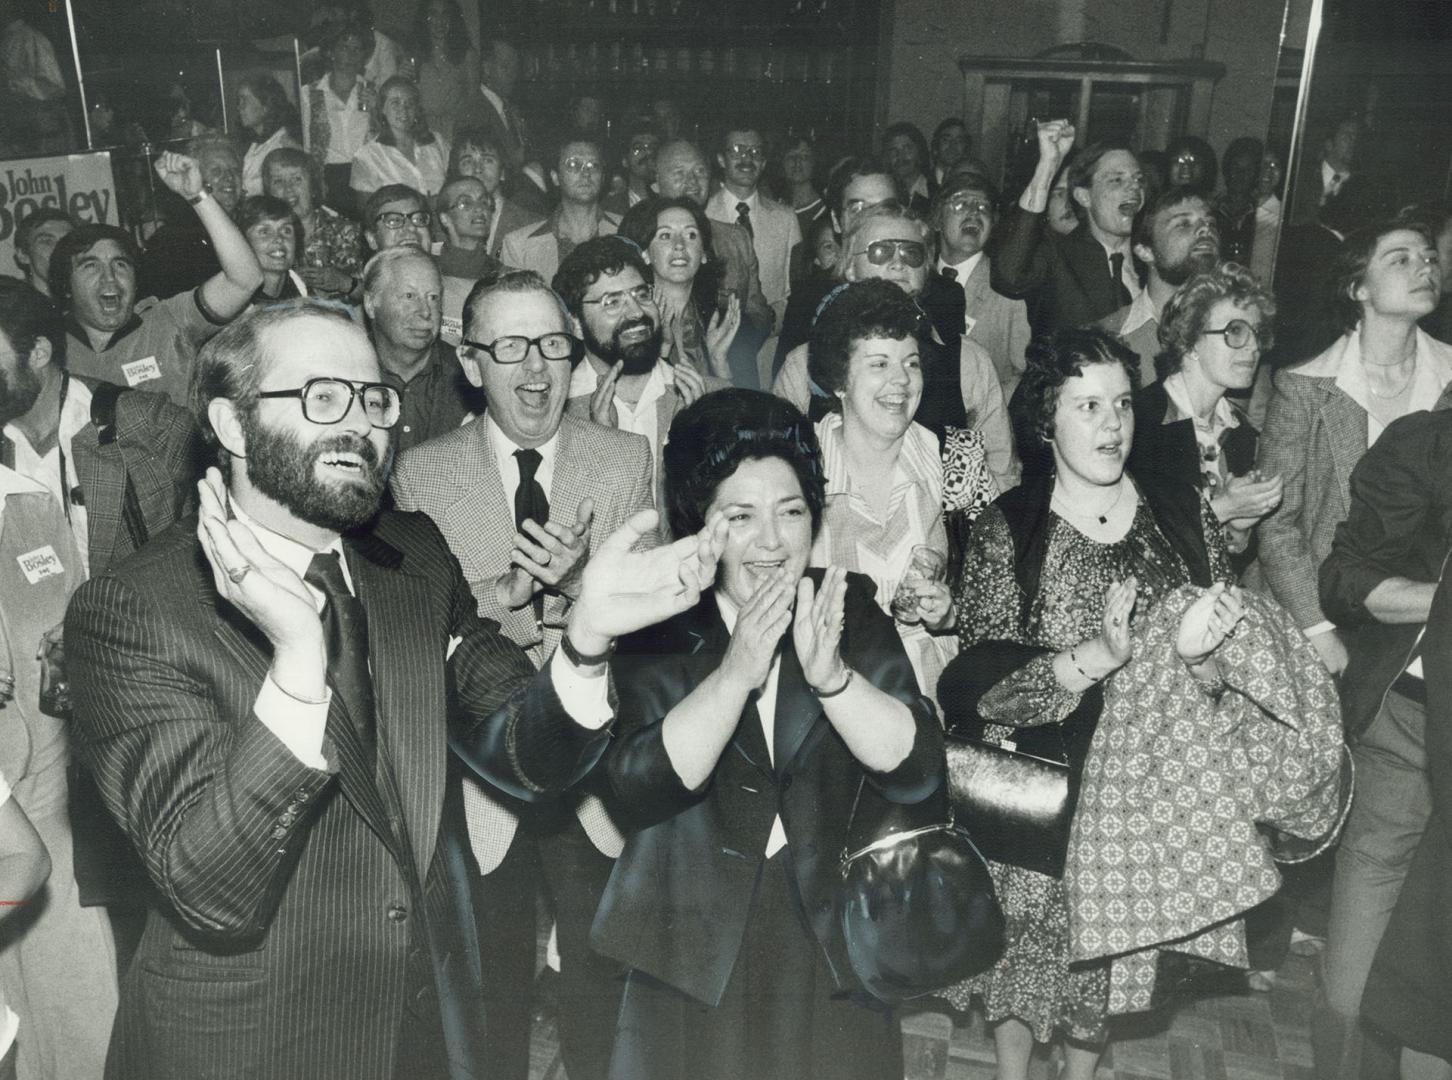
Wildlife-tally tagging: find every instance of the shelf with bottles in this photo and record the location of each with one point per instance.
(616, 61)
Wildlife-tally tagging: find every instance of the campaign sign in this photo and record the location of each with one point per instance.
(79, 184)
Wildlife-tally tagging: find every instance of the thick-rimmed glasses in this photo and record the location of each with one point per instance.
(963, 204)
(513, 348)
(327, 401)
(393, 219)
(1237, 334)
(747, 150)
(613, 303)
(911, 253)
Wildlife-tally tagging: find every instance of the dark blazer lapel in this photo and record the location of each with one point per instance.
(706, 645)
(409, 705)
(797, 710)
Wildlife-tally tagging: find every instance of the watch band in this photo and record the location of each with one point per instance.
(199, 197)
(579, 659)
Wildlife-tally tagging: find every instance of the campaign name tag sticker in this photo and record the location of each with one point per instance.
(139, 371)
(40, 564)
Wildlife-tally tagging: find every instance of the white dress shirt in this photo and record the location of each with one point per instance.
(504, 449)
(766, 709)
(642, 417)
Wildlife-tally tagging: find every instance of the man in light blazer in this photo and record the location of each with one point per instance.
(525, 578)
(271, 696)
(965, 210)
(774, 228)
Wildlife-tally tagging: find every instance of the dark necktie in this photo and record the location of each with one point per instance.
(345, 626)
(530, 503)
(950, 272)
(7, 452)
(1116, 269)
(743, 218)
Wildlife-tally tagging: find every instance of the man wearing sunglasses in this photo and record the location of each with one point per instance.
(397, 216)
(523, 495)
(273, 699)
(960, 386)
(580, 175)
(773, 227)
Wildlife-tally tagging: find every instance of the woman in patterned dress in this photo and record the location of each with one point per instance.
(884, 472)
(1061, 564)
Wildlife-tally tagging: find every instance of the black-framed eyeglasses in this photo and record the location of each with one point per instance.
(582, 165)
(394, 219)
(970, 204)
(1237, 334)
(513, 348)
(748, 150)
(911, 253)
(327, 401)
(614, 302)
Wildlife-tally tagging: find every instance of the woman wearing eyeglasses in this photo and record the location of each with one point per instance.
(406, 150)
(1212, 334)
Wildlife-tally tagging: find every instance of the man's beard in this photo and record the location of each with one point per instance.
(19, 391)
(639, 358)
(1177, 274)
(283, 469)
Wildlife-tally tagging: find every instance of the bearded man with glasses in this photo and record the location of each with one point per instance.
(523, 495)
(277, 698)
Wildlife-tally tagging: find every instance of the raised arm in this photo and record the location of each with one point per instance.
(1024, 257)
(225, 294)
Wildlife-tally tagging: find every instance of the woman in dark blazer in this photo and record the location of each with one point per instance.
(1186, 428)
(746, 732)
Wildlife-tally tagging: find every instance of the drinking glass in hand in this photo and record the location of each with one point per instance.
(925, 566)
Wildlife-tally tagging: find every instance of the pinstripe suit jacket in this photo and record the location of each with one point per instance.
(455, 480)
(305, 917)
(154, 443)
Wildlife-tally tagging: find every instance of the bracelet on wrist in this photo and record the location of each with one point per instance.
(823, 694)
(1073, 659)
(200, 197)
(584, 660)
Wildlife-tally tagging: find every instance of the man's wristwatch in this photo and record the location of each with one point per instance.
(199, 197)
(579, 659)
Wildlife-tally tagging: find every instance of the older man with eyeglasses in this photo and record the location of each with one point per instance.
(580, 176)
(523, 495)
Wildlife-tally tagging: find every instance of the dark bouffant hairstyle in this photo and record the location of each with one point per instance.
(710, 438)
(1054, 359)
(1184, 317)
(75, 244)
(591, 261)
(875, 308)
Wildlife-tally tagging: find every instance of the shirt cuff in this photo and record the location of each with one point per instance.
(585, 698)
(4, 790)
(298, 724)
(1320, 628)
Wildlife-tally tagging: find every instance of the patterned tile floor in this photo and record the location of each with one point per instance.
(1243, 1036)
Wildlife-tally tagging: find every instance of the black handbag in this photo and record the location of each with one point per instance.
(1018, 805)
(916, 904)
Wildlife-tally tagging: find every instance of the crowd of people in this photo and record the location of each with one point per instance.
(419, 525)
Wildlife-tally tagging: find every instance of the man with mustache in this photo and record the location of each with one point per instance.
(152, 346)
(623, 381)
(1175, 237)
(1081, 277)
(403, 297)
(965, 210)
(273, 695)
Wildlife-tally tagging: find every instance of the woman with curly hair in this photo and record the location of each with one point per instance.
(1212, 334)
